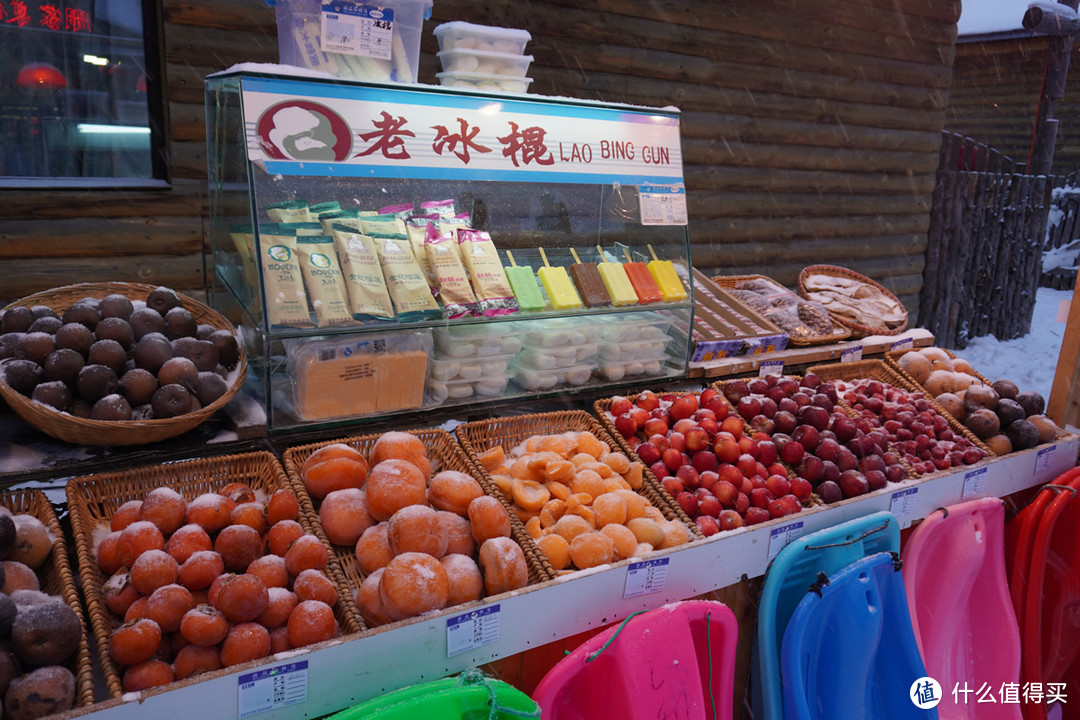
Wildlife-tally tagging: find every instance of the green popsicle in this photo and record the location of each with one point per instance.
(523, 283)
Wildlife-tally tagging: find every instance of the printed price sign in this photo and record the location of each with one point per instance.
(1044, 458)
(355, 29)
(974, 482)
(646, 577)
(663, 204)
(771, 367)
(902, 504)
(272, 688)
(471, 630)
(851, 354)
(903, 344)
(781, 536)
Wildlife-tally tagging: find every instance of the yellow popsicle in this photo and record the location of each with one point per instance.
(559, 287)
(663, 271)
(617, 283)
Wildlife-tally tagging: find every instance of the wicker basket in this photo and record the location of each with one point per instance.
(93, 499)
(55, 578)
(892, 359)
(841, 332)
(83, 431)
(858, 329)
(445, 454)
(476, 437)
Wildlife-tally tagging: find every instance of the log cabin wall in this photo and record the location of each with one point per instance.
(810, 130)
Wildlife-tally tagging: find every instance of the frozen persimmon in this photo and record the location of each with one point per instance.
(118, 591)
(311, 622)
(533, 527)
(135, 641)
(279, 639)
(245, 642)
(392, 485)
(521, 469)
(283, 534)
(558, 490)
(570, 526)
(675, 534)
(617, 461)
(373, 548)
(504, 567)
(125, 515)
(238, 492)
(492, 458)
(238, 546)
(609, 508)
(20, 576)
(646, 530)
(166, 606)
(582, 459)
(154, 569)
(242, 598)
(489, 519)
(332, 451)
(325, 477)
(583, 511)
(463, 574)
(137, 538)
(369, 601)
(562, 445)
(186, 541)
(215, 588)
(635, 476)
(344, 516)
(635, 504)
(557, 550)
(199, 570)
(402, 446)
(314, 585)
(458, 530)
(146, 675)
(271, 570)
(588, 482)
(136, 610)
(251, 514)
(164, 507)
(416, 528)
(625, 543)
(413, 583)
(210, 511)
(591, 549)
(204, 625)
(599, 468)
(282, 505)
(453, 491)
(530, 495)
(591, 445)
(195, 660)
(551, 512)
(108, 557)
(280, 603)
(306, 552)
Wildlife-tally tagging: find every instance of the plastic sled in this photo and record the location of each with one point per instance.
(793, 570)
(850, 653)
(469, 696)
(677, 661)
(961, 611)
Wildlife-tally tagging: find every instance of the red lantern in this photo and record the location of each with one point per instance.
(41, 75)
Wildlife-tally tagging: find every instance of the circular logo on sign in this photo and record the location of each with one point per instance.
(925, 693)
(377, 14)
(303, 130)
(319, 260)
(280, 253)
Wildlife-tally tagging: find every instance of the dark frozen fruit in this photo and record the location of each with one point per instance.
(95, 382)
(80, 408)
(1006, 388)
(118, 329)
(83, 313)
(1023, 434)
(178, 371)
(55, 394)
(138, 386)
(45, 633)
(9, 343)
(9, 665)
(75, 336)
(1032, 402)
(204, 331)
(45, 691)
(145, 321)
(209, 387)
(111, 407)
(171, 401)
(162, 299)
(227, 347)
(201, 352)
(1009, 411)
(109, 353)
(64, 365)
(8, 536)
(17, 319)
(179, 323)
(46, 325)
(23, 376)
(151, 352)
(116, 306)
(35, 346)
(41, 311)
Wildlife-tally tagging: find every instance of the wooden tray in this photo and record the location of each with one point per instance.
(730, 282)
(858, 329)
(55, 578)
(92, 500)
(445, 454)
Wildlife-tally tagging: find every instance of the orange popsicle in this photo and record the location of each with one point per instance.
(642, 281)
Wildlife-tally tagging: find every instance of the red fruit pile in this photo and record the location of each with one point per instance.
(838, 456)
(695, 445)
(911, 424)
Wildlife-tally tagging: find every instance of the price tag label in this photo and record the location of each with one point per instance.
(471, 630)
(272, 688)
(851, 354)
(902, 503)
(974, 482)
(779, 537)
(771, 367)
(645, 577)
(1044, 458)
(663, 204)
(357, 29)
(903, 344)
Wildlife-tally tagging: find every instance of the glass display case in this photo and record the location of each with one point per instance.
(395, 248)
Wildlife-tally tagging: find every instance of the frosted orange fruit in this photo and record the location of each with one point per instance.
(646, 530)
(413, 583)
(675, 534)
(609, 508)
(108, 558)
(591, 549)
(282, 535)
(137, 538)
(186, 541)
(311, 622)
(392, 485)
(282, 505)
(314, 585)
(402, 446)
(588, 482)
(252, 514)
(373, 548)
(459, 539)
(489, 519)
(369, 601)
(194, 660)
(245, 642)
(504, 565)
(154, 569)
(617, 461)
(530, 495)
(238, 546)
(492, 458)
(306, 552)
(201, 569)
(271, 570)
(125, 515)
(210, 511)
(591, 445)
(332, 474)
(416, 528)
(453, 491)
(624, 540)
(570, 526)
(344, 516)
(557, 550)
(331, 452)
(164, 507)
(280, 604)
(463, 574)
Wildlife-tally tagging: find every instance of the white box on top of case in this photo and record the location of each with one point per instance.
(485, 63)
(468, 36)
(615, 328)
(484, 81)
(477, 340)
(473, 368)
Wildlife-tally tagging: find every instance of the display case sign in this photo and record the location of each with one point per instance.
(272, 688)
(645, 577)
(350, 130)
(471, 630)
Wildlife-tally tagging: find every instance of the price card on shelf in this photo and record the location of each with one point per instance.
(851, 354)
(779, 537)
(663, 204)
(903, 344)
(645, 577)
(272, 688)
(902, 503)
(974, 482)
(771, 367)
(1044, 458)
(471, 630)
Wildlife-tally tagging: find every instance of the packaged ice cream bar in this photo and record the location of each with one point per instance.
(442, 208)
(416, 227)
(283, 284)
(349, 217)
(368, 297)
(452, 281)
(488, 278)
(382, 224)
(402, 210)
(303, 229)
(319, 209)
(323, 279)
(404, 280)
(243, 237)
(289, 211)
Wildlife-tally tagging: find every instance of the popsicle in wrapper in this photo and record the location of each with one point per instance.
(615, 280)
(559, 287)
(589, 284)
(663, 271)
(642, 281)
(523, 283)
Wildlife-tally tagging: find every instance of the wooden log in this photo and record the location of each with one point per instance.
(839, 251)
(249, 14)
(188, 159)
(26, 276)
(182, 199)
(751, 204)
(187, 121)
(764, 130)
(892, 20)
(717, 177)
(101, 237)
(808, 158)
(219, 48)
(758, 229)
